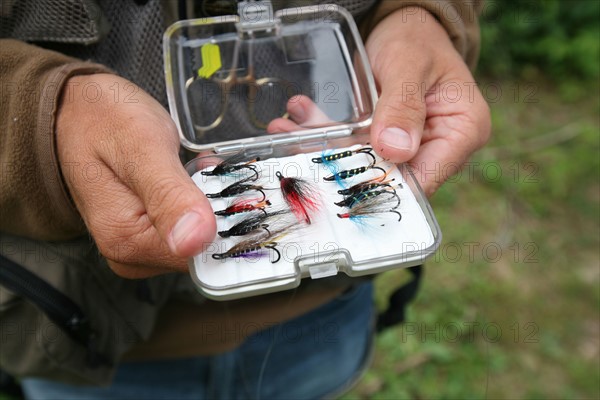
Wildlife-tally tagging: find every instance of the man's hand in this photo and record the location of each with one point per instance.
(119, 158)
(429, 113)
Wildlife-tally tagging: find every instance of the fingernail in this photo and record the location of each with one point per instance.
(396, 138)
(183, 228)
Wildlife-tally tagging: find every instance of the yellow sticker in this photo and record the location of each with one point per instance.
(211, 60)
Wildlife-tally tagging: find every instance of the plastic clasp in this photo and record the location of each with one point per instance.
(256, 16)
(323, 270)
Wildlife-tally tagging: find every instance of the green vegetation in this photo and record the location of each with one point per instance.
(509, 307)
(556, 39)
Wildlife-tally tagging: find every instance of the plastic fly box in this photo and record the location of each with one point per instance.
(277, 106)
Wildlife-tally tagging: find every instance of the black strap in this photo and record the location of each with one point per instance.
(396, 311)
(59, 308)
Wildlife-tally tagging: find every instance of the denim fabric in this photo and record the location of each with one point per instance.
(316, 355)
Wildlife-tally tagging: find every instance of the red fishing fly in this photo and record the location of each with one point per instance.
(300, 195)
(242, 206)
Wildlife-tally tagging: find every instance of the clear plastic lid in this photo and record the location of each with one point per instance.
(231, 79)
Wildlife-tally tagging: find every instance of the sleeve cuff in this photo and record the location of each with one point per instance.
(34, 201)
(46, 146)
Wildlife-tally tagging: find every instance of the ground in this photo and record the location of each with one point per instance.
(509, 304)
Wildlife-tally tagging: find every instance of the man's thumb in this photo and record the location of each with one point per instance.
(179, 211)
(398, 123)
(193, 229)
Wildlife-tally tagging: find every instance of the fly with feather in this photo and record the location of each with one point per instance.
(363, 200)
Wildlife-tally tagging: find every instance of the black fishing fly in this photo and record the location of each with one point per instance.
(349, 173)
(251, 224)
(353, 200)
(371, 203)
(364, 187)
(238, 188)
(329, 158)
(368, 185)
(232, 165)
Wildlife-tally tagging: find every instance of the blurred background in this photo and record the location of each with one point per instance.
(509, 306)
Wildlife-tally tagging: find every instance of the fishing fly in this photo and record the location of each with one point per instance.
(232, 165)
(300, 195)
(353, 200)
(371, 203)
(251, 224)
(243, 206)
(327, 159)
(254, 247)
(238, 188)
(368, 185)
(349, 173)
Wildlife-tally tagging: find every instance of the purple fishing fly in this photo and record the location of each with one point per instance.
(255, 246)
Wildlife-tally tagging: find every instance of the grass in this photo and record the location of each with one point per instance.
(509, 305)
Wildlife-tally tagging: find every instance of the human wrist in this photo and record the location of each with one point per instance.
(84, 100)
(414, 33)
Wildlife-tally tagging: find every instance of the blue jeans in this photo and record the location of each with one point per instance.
(313, 356)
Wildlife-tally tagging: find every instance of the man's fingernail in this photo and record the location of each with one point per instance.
(183, 228)
(396, 138)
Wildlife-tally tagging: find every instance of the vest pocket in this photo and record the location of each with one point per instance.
(72, 318)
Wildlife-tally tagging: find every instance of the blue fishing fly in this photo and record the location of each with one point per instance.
(369, 204)
(329, 160)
